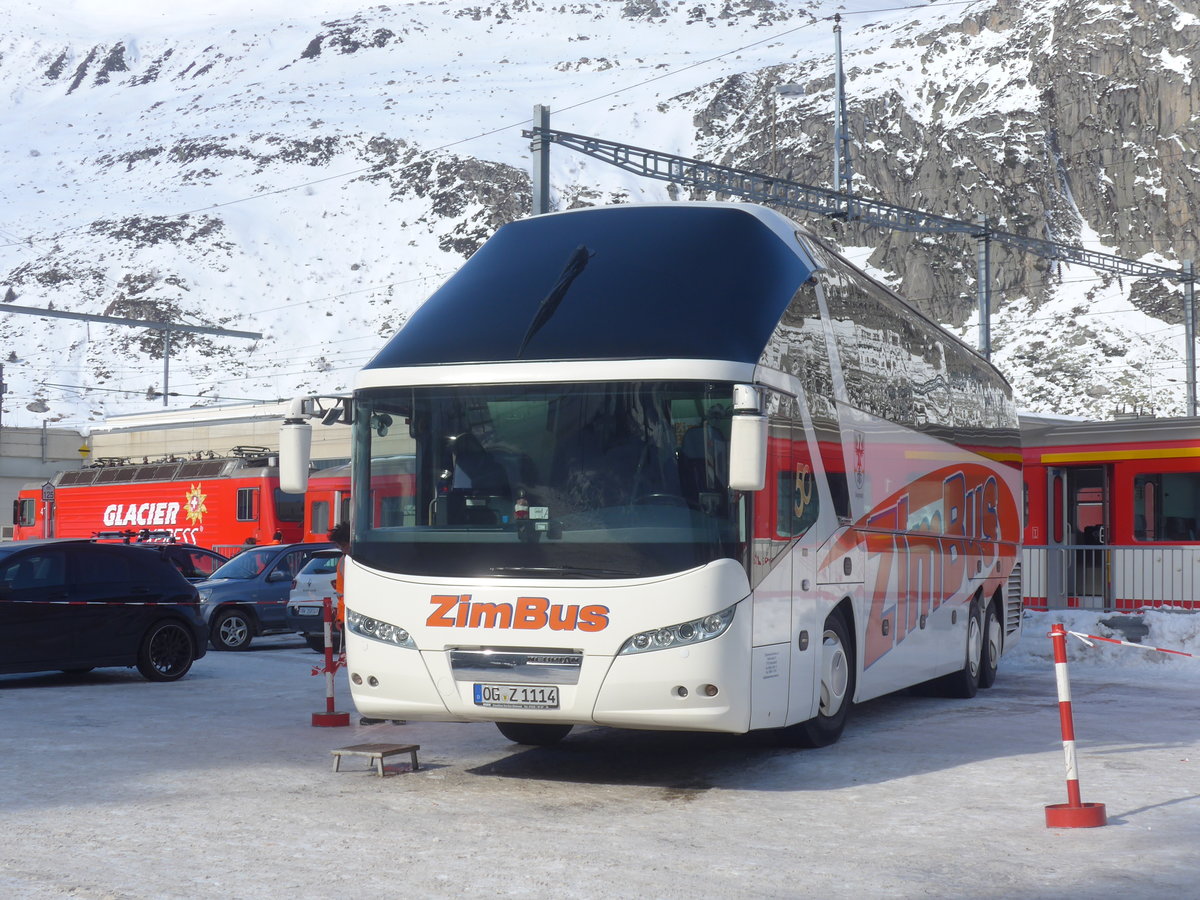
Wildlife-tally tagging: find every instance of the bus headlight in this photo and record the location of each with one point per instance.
(378, 631)
(682, 635)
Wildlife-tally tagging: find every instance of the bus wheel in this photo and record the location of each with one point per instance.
(231, 630)
(993, 645)
(835, 668)
(528, 733)
(964, 683)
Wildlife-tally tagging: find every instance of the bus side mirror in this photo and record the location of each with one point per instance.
(295, 447)
(747, 441)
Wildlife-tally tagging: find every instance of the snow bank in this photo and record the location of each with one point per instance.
(1167, 629)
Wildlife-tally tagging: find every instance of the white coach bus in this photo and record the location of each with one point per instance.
(674, 466)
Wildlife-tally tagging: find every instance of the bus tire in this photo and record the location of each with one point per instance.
(964, 683)
(993, 646)
(536, 734)
(231, 630)
(836, 669)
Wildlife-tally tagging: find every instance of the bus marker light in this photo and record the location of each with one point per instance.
(356, 678)
(710, 690)
(373, 681)
(680, 691)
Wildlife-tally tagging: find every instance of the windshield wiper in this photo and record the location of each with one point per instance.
(576, 263)
(564, 571)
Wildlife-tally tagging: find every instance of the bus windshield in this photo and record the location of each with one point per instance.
(591, 480)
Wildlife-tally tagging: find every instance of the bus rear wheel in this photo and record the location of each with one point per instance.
(529, 733)
(964, 683)
(835, 669)
(993, 646)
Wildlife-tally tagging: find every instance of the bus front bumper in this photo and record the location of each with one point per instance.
(702, 687)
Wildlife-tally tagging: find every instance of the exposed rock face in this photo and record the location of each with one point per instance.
(1070, 122)
(1066, 122)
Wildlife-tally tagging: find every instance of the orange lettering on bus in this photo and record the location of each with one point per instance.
(443, 602)
(529, 614)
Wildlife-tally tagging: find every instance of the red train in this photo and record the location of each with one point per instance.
(1112, 513)
(221, 503)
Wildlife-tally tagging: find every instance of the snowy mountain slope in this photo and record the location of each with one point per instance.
(312, 170)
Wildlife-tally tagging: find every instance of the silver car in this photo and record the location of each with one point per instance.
(306, 606)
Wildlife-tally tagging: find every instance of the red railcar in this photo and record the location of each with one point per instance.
(221, 503)
(327, 502)
(1112, 513)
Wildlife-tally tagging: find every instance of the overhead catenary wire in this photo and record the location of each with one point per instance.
(501, 128)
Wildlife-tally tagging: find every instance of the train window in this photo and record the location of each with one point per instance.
(24, 511)
(1165, 506)
(319, 517)
(289, 507)
(247, 504)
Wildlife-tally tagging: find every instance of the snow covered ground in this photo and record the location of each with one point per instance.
(218, 786)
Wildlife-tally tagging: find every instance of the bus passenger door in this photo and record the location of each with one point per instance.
(773, 543)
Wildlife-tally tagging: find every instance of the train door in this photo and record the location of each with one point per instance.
(1077, 510)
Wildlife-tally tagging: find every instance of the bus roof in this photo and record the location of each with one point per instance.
(676, 281)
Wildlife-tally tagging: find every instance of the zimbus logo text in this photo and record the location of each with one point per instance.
(530, 613)
(962, 540)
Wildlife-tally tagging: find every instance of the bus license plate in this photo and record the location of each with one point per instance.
(517, 696)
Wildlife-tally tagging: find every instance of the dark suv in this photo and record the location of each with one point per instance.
(78, 605)
(248, 595)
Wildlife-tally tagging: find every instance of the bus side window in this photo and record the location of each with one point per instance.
(799, 501)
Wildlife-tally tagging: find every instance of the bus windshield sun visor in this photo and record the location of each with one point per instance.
(576, 263)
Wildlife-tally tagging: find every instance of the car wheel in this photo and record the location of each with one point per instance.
(166, 652)
(317, 642)
(530, 733)
(231, 630)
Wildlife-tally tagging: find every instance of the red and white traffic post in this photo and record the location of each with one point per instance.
(329, 718)
(1074, 813)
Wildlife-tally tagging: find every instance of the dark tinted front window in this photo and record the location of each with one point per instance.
(289, 507)
(677, 281)
(620, 479)
(247, 565)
